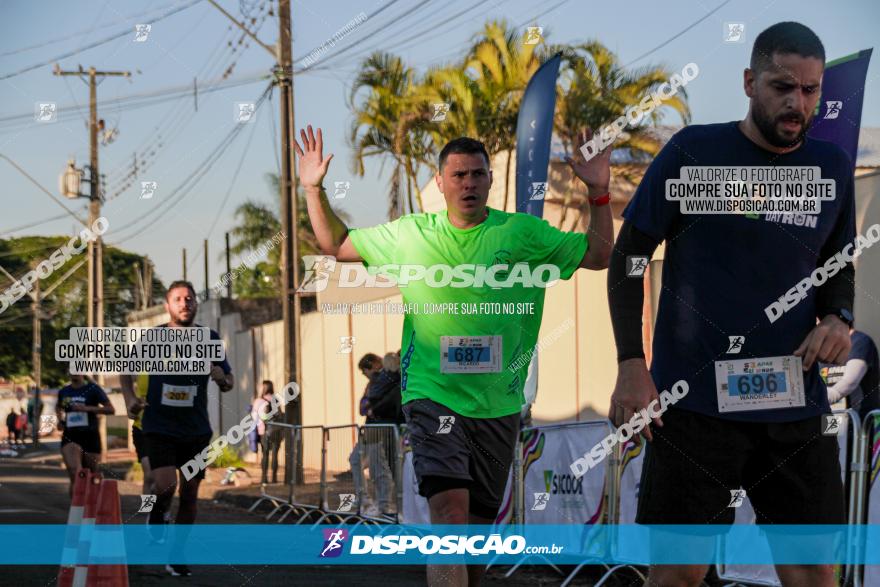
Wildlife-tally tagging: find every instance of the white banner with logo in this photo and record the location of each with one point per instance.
(745, 514)
(633, 456)
(553, 495)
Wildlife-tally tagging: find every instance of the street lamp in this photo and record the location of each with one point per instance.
(70, 180)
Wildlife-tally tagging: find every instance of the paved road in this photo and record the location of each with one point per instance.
(34, 491)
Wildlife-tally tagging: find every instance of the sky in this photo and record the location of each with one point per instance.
(174, 132)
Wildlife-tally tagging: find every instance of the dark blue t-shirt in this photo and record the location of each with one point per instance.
(865, 397)
(89, 394)
(177, 405)
(721, 271)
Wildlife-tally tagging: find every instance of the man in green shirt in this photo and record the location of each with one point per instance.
(473, 279)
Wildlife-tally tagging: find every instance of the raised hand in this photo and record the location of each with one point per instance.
(312, 164)
(595, 172)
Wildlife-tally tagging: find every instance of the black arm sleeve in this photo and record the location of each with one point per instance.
(626, 295)
(838, 292)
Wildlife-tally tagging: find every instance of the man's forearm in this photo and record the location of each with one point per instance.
(600, 234)
(127, 384)
(626, 295)
(329, 230)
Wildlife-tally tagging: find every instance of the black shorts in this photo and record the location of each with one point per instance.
(789, 470)
(87, 440)
(472, 453)
(173, 451)
(140, 443)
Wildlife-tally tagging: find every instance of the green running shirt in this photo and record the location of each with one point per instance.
(522, 243)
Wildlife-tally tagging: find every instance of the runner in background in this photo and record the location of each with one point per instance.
(176, 426)
(137, 435)
(859, 380)
(462, 396)
(77, 412)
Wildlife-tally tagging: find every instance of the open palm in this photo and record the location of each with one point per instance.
(312, 163)
(596, 172)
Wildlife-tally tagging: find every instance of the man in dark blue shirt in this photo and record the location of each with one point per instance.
(752, 416)
(175, 420)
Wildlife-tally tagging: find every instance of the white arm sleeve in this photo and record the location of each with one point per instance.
(852, 376)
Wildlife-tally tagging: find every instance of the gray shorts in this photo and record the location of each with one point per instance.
(471, 453)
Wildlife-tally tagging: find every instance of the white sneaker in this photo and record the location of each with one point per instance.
(370, 510)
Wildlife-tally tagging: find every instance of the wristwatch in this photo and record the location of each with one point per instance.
(844, 314)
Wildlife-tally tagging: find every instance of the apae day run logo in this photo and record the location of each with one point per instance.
(502, 257)
(334, 538)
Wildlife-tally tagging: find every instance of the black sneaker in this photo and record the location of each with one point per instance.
(178, 570)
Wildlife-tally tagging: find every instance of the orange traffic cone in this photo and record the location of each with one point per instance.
(107, 566)
(93, 485)
(71, 537)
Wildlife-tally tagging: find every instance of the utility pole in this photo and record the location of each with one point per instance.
(138, 288)
(148, 283)
(228, 270)
(207, 287)
(184, 264)
(290, 305)
(96, 247)
(37, 349)
(37, 298)
(290, 302)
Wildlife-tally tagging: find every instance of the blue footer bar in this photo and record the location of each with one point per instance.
(246, 544)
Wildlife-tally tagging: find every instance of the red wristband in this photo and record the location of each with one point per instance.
(601, 200)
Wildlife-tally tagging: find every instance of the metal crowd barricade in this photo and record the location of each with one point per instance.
(277, 502)
(304, 461)
(339, 470)
(866, 510)
(851, 440)
(379, 451)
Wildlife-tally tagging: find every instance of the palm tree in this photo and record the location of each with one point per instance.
(258, 223)
(485, 90)
(386, 123)
(594, 89)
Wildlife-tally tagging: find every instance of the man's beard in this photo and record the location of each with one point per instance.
(178, 320)
(767, 126)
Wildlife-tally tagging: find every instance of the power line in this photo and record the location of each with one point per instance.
(234, 177)
(190, 181)
(677, 35)
(92, 45)
(365, 37)
(176, 117)
(83, 32)
(32, 224)
(151, 98)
